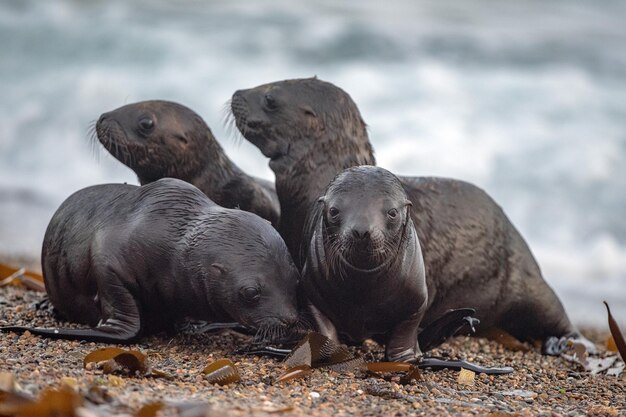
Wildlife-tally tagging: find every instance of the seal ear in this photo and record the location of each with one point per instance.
(322, 199)
(409, 204)
(219, 267)
(182, 139)
(308, 110)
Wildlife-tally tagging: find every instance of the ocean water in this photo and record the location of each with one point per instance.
(526, 99)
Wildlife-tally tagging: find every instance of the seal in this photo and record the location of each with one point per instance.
(363, 245)
(158, 139)
(473, 255)
(130, 261)
(310, 130)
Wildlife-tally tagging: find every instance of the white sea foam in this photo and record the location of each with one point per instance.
(525, 99)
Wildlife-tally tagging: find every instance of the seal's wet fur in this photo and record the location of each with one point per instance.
(473, 255)
(159, 139)
(131, 260)
(364, 272)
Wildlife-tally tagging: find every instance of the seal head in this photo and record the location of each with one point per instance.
(367, 239)
(159, 139)
(255, 277)
(311, 130)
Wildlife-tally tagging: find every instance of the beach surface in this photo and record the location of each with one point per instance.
(540, 385)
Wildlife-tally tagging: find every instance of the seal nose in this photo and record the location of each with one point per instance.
(103, 117)
(360, 234)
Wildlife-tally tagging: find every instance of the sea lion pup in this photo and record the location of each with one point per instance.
(130, 261)
(158, 139)
(312, 130)
(308, 129)
(364, 272)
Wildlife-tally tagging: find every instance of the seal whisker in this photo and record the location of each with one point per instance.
(230, 124)
(92, 137)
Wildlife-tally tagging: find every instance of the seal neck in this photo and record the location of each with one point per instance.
(201, 292)
(214, 178)
(304, 181)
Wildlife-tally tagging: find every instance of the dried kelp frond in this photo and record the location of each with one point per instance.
(222, 372)
(618, 337)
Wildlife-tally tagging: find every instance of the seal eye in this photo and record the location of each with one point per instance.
(270, 102)
(393, 213)
(250, 295)
(333, 212)
(146, 124)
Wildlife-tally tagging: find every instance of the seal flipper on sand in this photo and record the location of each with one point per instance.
(123, 326)
(447, 326)
(403, 345)
(201, 326)
(115, 333)
(437, 364)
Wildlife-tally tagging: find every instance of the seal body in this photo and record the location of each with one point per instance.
(364, 273)
(158, 139)
(473, 255)
(131, 260)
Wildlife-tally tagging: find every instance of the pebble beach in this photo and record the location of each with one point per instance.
(540, 385)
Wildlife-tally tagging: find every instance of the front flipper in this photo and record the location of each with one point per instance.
(437, 364)
(121, 322)
(113, 334)
(270, 351)
(450, 324)
(402, 345)
(197, 327)
(323, 324)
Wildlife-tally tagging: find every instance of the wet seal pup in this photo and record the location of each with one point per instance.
(158, 139)
(364, 272)
(301, 126)
(130, 261)
(473, 255)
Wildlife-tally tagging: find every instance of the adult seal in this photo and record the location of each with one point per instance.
(364, 272)
(130, 261)
(473, 255)
(158, 139)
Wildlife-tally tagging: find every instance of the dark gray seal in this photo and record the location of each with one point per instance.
(364, 272)
(473, 255)
(158, 139)
(130, 261)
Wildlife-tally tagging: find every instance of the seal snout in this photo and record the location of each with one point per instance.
(360, 233)
(104, 117)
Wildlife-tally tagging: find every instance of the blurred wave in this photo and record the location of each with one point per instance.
(526, 99)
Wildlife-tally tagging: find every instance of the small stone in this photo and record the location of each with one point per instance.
(70, 382)
(7, 381)
(314, 394)
(116, 381)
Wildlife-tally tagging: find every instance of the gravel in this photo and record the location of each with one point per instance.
(540, 385)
